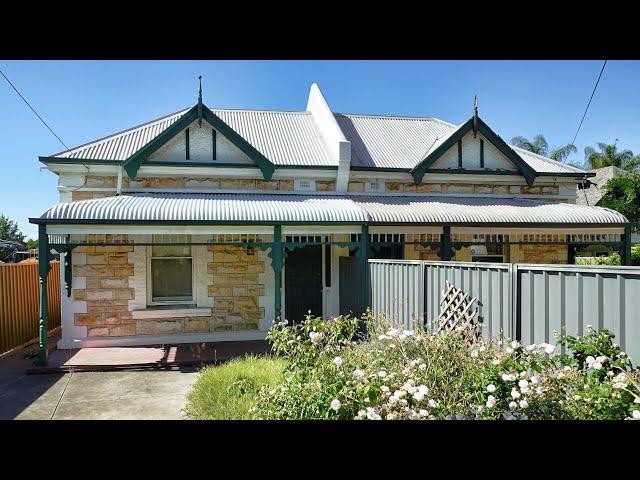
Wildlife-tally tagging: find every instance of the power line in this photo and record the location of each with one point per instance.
(587, 109)
(33, 109)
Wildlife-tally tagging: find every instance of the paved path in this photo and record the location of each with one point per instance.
(124, 395)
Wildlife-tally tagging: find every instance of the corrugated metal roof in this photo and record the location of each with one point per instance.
(292, 138)
(481, 210)
(180, 207)
(285, 138)
(119, 146)
(275, 208)
(390, 142)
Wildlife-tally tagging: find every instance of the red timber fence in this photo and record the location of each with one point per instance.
(19, 302)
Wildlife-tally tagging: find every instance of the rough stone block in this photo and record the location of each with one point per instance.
(229, 184)
(286, 185)
(100, 295)
(428, 188)
(267, 184)
(460, 188)
(79, 294)
(483, 189)
(219, 291)
(394, 186)
(82, 319)
(196, 324)
(325, 185)
(121, 330)
(356, 187)
(96, 259)
(154, 327)
(98, 332)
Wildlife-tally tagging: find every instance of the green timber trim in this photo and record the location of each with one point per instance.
(43, 313)
(53, 221)
(68, 266)
(134, 162)
(420, 170)
(445, 252)
(261, 161)
(277, 262)
(363, 255)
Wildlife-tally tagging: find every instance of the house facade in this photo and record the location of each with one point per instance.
(208, 224)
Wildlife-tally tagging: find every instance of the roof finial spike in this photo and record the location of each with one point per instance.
(200, 101)
(475, 115)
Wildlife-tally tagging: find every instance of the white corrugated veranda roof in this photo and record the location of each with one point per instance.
(325, 209)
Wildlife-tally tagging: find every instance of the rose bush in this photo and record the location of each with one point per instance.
(350, 368)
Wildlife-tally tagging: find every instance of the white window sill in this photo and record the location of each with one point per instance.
(160, 312)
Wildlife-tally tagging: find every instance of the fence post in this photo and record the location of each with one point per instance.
(626, 251)
(43, 271)
(363, 254)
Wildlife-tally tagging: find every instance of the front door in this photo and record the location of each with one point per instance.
(303, 283)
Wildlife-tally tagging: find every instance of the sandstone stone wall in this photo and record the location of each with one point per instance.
(107, 272)
(235, 288)
(410, 187)
(539, 253)
(418, 252)
(113, 281)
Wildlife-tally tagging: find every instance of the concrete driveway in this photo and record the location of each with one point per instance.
(117, 395)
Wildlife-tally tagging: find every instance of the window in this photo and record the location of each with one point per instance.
(171, 270)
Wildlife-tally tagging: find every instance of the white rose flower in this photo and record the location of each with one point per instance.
(596, 365)
(509, 350)
(335, 404)
(338, 361)
(515, 344)
(358, 373)
(474, 353)
(491, 388)
(524, 389)
(509, 377)
(513, 405)
(635, 414)
(549, 349)
(524, 404)
(523, 383)
(423, 389)
(515, 393)
(423, 412)
(495, 362)
(491, 401)
(534, 379)
(459, 416)
(601, 359)
(382, 374)
(418, 396)
(590, 360)
(432, 403)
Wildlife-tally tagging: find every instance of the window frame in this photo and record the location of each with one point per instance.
(150, 301)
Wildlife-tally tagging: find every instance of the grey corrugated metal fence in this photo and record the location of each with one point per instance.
(523, 301)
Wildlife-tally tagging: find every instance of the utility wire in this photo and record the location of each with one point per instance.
(587, 109)
(33, 109)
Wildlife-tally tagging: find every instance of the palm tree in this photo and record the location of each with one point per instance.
(540, 146)
(610, 156)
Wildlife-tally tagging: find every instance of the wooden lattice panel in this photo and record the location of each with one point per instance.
(458, 310)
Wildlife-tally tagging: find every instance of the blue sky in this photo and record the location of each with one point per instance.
(85, 100)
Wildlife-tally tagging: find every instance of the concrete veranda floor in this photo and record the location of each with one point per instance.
(117, 395)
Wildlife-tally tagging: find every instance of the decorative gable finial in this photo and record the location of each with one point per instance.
(200, 102)
(475, 116)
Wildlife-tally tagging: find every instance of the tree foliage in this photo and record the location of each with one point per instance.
(9, 231)
(609, 155)
(540, 146)
(622, 193)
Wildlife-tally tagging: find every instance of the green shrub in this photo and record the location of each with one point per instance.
(229, 391)
(338, 371)
(635, 254)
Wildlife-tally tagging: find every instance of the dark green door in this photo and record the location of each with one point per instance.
(303, 283)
